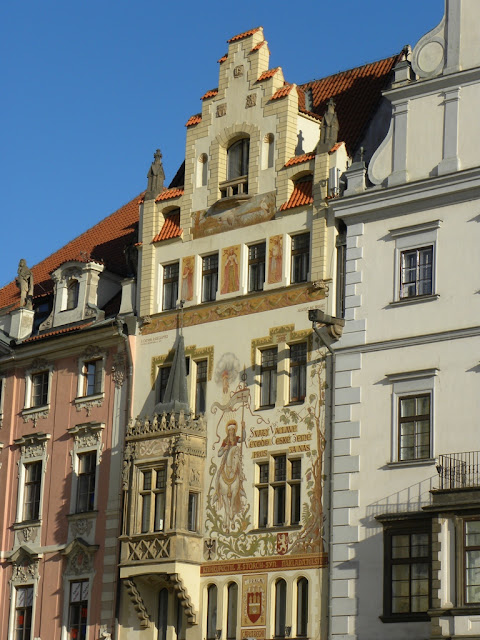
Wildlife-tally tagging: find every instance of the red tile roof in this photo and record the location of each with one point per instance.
(168, 194)
(104, 242)
(210, 94)
(243, 35)
(170, 228)
(336, 147)
(268, 74)
(281, 93)
(194, 120)
(302, 195)
(258, 46)
(299, 159)
(57, 332)
(223, 58)
(356, 92)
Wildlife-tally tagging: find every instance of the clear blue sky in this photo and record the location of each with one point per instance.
(91, 88)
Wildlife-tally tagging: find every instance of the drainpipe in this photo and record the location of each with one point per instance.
(334, 327)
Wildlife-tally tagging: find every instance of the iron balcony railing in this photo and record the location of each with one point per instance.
(459, 470)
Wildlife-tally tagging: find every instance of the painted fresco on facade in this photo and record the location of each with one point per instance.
(254, 211)
(275, 259)
(231, 269)
(254, 599)
(188, 273)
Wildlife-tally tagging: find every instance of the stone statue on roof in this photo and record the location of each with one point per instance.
(330, 125)
(155, 176)
(24, 282)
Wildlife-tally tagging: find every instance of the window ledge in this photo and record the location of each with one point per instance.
(410, 463)
(28, 411)
(405, 617)
(80, 515)
(413, 300)
(88, 402)
(278, 528)
(26, 523)
(295, 403)
(93, 396)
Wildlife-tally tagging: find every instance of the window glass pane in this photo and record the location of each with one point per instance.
(472, 531)
(159, 511)
(302, 607)
(162, 614)
(280, 608)
(263, 472)
(211, 612)
(280, 468)
(296, 469)
(232, 611)
(146, 503)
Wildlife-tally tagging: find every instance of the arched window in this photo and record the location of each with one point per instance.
(302, 607)
(232, 611)
(211, 612)
(280, 608)
(72, 294)
(162, 614)
(237, 169)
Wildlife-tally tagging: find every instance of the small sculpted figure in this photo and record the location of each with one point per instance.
(24, 282)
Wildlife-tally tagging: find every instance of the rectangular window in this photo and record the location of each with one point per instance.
(414, 427)
(87, 468)
(170, 285)
(23, 613)
(279, 482)
(152, 496)
(39, 389)
(416, 272)
(78, 610)
(295, 490)
(201, 387)
(268, 377)
(407, 571)
(472, 561)
(341, 244)
(279, 490)
(192, 520)
(163, 375)
(33, 484)
(262, 489)
(256, 267)
(298, 372)
(300, 258)
(92, 371)
(209, 277)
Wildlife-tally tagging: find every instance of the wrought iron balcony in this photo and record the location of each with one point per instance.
(459, 470)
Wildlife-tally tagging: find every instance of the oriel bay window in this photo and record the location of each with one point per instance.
(152, 499)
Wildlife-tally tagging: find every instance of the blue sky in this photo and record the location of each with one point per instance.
(90, 89)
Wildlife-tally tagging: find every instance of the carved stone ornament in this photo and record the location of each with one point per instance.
(79, 558)
(33, 450)
(88, 404)
(209, 549)
(119, 369)
(81, 527)
(238, 71)
(104, 633)
(221, 110)
(160, 424)
(138, 604)
(194, 477)
(251, 100)
(34, 416)
(29, 534)
(25, 570)
(93, 351)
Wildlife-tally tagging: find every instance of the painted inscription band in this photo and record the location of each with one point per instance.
(310, 561)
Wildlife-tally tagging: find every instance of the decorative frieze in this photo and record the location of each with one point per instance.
(119, 369)
(165, 424)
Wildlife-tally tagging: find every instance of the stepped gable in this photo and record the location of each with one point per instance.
(356, 92)
(102, 243)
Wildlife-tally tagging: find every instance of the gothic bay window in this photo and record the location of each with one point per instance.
(23, 612)
(414, 427)
(209, 277)
(92, 372)
(416, 272)
(237, 169)
(407, 571)
(78, 610)
(39, 396)
(268, 377)
(87, 467)
(32, 490)
(300, 258)
(472, 561)
(201, 387)
(298, 372)
(152, 498)
(256, 267)
(170, 286)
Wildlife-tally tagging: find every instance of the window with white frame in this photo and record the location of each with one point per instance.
(32, 490)
(298, 372)
(152, 490)
(32, 464)
(415, 257)
(412, 409)
(23, 613)
(78, 609)
(278, 486)
(170, 285)
(256, 266)
(86, 458)
(87, 474)
(300, 260)
(91, 382)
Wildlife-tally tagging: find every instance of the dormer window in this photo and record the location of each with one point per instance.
(72, 295)
(237, 169)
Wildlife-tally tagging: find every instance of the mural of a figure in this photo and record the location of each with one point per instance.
(229, 489)
(187, 278)
(230, 270)
(275, 256)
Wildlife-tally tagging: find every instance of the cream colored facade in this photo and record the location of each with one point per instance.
(242, 478)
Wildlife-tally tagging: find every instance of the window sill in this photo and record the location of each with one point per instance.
(405, 617)
(413, 300)
(27, 411)
(295, 403)
(79, 515)
(277, 528)
(423, 462)
(93, 396)
(88, 402)
(27, 523)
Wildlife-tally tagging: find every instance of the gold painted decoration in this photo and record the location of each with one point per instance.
(230, 269)
(254, 600)
(275, 259)
(188, 273)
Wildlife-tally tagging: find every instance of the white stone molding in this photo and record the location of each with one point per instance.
(33, 448)
(39, 365)
(25, 573)
(451, 120)
(399, 158)
(119, 369)
(428, 56)
(87, 438)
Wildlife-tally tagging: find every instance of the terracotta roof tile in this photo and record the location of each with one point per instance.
(243, 35)
(194, 120)
(258, 46)
(281, 93)
(223, 58)
(299, 159)
(57, 332)
(336, 147)
(168, 194)
(357, 93)
(141, 199)
(210, 94)
(301, 196)
(268, 74)
(170, 228)
(104, 242)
